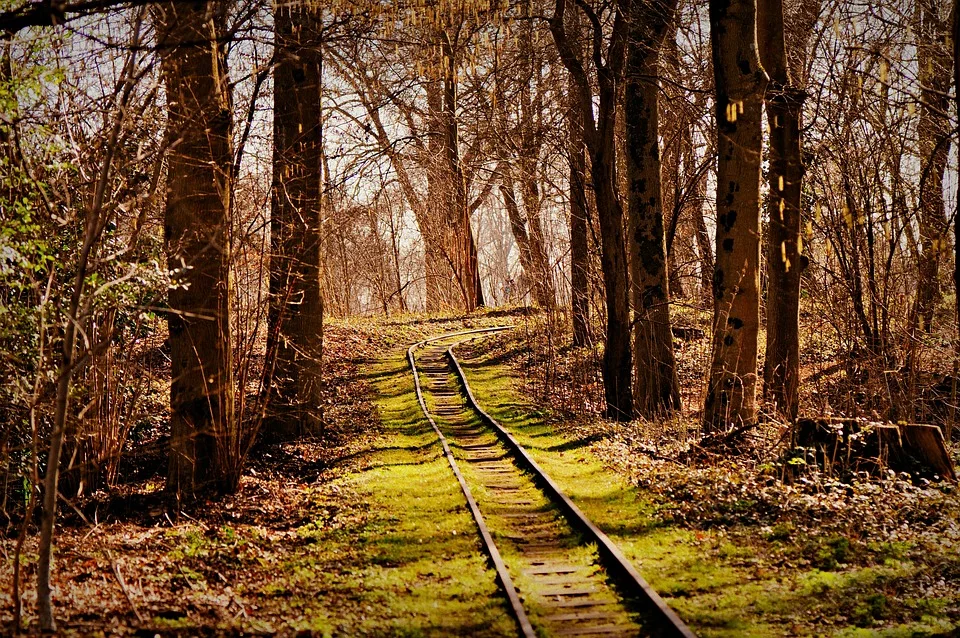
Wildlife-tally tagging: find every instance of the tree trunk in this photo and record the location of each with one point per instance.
(657, 391)
(740, 82)
(541, 272)
(784, 103)
(933, 59)
(579, 247)
(517, 227)
(697, 170)
(199, 188)
(599, 139)
(674, 128)
(956, 218)
(438, 265)
(295, 337)
(530, 145)
(462, 248)
(613, 259)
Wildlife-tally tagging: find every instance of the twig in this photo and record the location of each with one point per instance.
(123, 586)
(186, 578)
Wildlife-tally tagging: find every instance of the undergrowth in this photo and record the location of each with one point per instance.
(735, 548)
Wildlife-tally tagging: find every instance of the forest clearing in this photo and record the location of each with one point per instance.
(480, 318)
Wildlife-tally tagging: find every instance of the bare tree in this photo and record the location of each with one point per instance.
(656, 390)
(579, 245)
(955, 36)
(295, 337)
(740, 81)
(933, 61)
(199, 187)
(784, 263)
(599, 135)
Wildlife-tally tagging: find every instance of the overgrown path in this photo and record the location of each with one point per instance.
(551, 562)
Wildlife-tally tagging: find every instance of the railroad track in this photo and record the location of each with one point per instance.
(561, 575)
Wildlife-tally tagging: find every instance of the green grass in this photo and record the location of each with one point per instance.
(404, 559)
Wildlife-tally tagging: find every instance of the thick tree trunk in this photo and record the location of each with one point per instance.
(197, 241)
(740, 82)
(784, 103)
(295, 338)
(579, 247)
(656, 390)
(933, 58)
(617, 355)
(451, 259)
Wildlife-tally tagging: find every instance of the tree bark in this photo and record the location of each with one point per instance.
(955, 30)
(656, 389)
(199, 188)
(599, 137)
(933, 60)
(295, 337)
(517, 226)
(784, 104)
(579, 246)
(462, 246)
(740, 82)
(439, 266)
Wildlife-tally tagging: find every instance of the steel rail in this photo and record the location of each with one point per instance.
(519, 613)
(670, 624)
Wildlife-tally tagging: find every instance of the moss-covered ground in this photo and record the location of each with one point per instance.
(410, 564)
(732, 576)
(363, 531)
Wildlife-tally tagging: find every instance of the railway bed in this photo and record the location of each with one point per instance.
(561, 575)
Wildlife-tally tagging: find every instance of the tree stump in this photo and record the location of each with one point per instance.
(846, 446)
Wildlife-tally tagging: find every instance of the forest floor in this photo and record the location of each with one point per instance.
(366, 533)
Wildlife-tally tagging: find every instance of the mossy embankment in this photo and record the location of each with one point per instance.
(736, 575)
